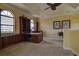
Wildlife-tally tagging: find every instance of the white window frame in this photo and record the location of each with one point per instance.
(8, 14)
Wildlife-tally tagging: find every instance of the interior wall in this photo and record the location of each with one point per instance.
(46, 25)
(71, 36)
(71, 41)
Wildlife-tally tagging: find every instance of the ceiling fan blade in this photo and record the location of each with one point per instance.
(46, 8)
(50, 4)
(57, 4)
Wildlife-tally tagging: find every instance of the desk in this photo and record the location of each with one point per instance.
(35, 37)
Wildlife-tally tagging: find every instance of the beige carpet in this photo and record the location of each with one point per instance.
(31, 49)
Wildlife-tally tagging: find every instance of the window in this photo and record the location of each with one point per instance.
(32, 25)
(7, 22)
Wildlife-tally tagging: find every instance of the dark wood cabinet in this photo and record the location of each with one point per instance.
(18, 38)
(9, 40)
(35, 37)
(5, 42)
(24, 27)
(0, 43)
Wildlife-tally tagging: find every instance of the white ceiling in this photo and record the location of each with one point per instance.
(37, 9)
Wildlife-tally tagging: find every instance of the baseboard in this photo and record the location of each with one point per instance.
(74, 53)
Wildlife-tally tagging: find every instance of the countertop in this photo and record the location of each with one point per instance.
(8, 34)
(34, 33)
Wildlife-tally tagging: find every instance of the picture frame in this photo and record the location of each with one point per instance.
(56, 24)
(66, 24)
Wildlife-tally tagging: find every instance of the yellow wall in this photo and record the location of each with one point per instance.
(71, 41)
(71, 36)
(16, 14)
(46, 25)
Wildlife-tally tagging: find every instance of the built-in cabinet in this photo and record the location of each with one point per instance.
(25, 27)
(9, 40)
(36, 37)
(25, 30)
(0, 43)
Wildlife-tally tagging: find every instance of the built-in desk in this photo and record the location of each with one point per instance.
(9, 38)
(35, 37)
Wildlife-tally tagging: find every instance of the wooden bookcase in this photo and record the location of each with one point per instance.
(24, 25)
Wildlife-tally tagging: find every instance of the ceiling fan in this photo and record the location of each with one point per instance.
(52, 5)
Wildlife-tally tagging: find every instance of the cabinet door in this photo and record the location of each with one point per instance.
(37, 38)
(10, 40)
(18, 38)
(0, 43)
(5, 41)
